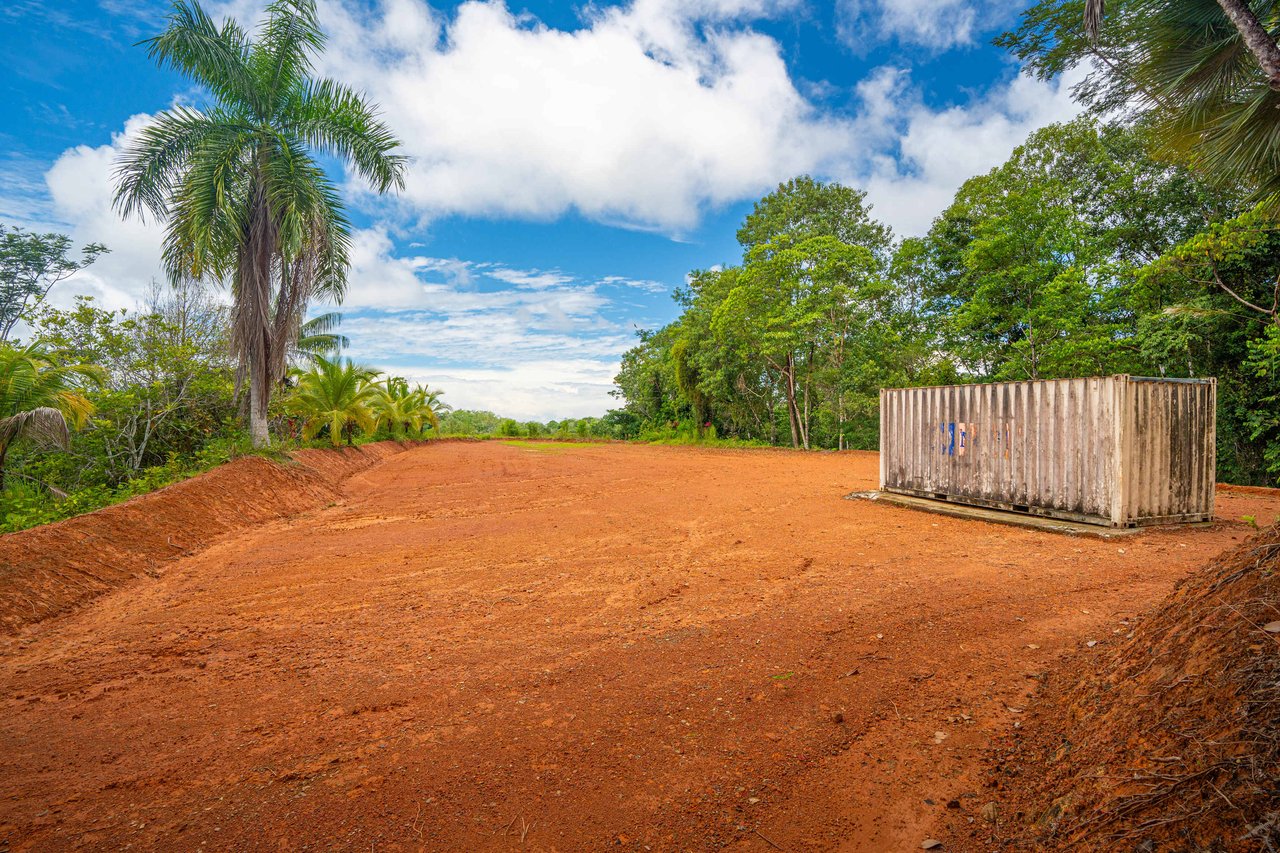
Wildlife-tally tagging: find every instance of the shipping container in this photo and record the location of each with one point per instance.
(1122, 451)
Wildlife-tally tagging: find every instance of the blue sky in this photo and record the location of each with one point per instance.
(571, 162)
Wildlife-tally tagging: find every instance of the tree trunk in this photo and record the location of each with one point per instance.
(4, 451)
(258, 400)
(1256, 38)
(789, 391)
(252, 311)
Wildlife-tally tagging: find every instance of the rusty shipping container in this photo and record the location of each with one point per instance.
(1121, 451)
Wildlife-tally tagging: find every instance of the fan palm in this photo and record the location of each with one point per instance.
(1202, 73)
(237, 183)
(40, 399)
(337, 394)
(1255, 36)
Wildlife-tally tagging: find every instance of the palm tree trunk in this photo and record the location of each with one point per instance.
(258, 431)
(253, 311)
(1256, 38)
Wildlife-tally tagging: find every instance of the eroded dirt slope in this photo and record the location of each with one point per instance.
(57, 567)
(1169, 741)
(488, 647)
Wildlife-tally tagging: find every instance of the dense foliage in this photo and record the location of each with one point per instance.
(97, 406)
(1081, 255)
(160, 397)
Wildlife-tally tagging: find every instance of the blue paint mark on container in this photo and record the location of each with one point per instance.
(948, 438)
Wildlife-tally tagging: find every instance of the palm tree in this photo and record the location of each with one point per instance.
(1255, 36)
(431, 398)
(40, 399)
(1211, 81)
(337, 394)
(237, 182)
(406, 410)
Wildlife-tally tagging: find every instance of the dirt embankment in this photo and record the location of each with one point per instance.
(1169, 742)
(50, 569)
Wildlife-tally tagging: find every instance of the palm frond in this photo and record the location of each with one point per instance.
(333, 118)
(281, 57)
(44, 425)
(216, 58)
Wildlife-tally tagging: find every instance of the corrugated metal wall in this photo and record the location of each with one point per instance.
(1115, 450)
(1170, 434)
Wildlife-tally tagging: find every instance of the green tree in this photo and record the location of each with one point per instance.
(466, 421)
(802, 208)
(336, 395)
(238, 184)
(41, 398)
(795, 307)
(793, 340)
(1032, 264)
(167, 384)
(30, 265)
(1213, 309)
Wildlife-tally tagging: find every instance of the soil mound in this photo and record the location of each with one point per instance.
(55, 567)
(1169, 742)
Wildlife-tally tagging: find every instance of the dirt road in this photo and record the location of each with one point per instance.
(576, 647)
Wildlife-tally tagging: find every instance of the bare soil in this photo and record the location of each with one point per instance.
(1170, 740)
(563, 647)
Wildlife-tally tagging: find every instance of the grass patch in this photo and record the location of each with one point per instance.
(541, 446)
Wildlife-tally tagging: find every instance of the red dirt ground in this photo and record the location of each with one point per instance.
(575, 647)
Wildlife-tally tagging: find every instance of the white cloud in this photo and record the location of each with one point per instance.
(644, 284)
(653, 112)
(536, 390)
(80, 190)
(536, 279)
(925, 154)
(529, 343)
(646, 116)
(935, 25)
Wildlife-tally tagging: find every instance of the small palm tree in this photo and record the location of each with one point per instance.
(40, 399)
(406, 411)
(338, 395)
(431, 398)
(238, 183)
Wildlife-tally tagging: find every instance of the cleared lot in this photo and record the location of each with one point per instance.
(562, 647)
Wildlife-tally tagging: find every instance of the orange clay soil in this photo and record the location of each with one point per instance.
(566, 647)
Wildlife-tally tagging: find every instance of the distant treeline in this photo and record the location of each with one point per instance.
(469, 422)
